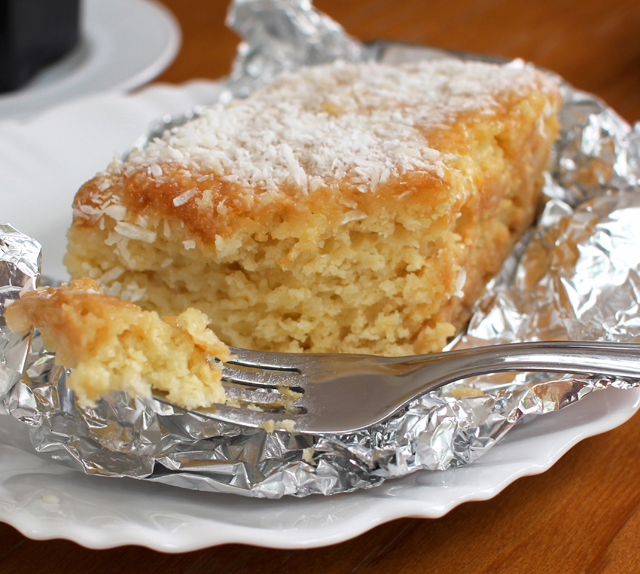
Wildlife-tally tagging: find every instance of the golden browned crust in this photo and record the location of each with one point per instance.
(224, 209)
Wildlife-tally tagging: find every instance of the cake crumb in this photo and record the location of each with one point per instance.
(268, 426)
(271, 426)
(307, 455)
(466, 391)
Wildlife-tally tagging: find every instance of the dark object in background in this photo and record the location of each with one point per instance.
(34, 34)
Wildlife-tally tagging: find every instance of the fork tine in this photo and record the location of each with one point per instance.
(246, 417)
(268, 379)
(268, 360)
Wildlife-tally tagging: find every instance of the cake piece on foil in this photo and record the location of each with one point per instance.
(114, 345)
(342, 208)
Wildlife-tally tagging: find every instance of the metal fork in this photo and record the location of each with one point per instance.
(341, 393)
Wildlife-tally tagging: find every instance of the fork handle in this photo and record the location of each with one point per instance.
(583, 357)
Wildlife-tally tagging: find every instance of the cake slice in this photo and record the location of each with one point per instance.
(114, 345)
(343, 208)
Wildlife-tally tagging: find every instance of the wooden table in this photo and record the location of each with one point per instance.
(583, 515)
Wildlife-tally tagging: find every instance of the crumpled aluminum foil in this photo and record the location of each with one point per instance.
(281, 36)
(575, 276)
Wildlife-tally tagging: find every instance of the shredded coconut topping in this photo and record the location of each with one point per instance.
(184, 197)
(358, 122)
(135, 232)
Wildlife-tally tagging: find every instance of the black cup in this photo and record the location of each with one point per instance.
(33, 35)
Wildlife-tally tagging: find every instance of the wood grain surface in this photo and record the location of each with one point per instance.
(580, 517)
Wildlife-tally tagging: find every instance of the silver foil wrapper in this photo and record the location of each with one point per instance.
(281, 36)
(575, 276)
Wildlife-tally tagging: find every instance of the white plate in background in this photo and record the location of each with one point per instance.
(43, 161)
(123, 44)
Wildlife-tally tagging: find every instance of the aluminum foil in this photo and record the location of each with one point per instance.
(575, 276)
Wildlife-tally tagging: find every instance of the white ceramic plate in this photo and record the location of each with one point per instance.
(42, 164)
(45, 500)
(124, 44)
